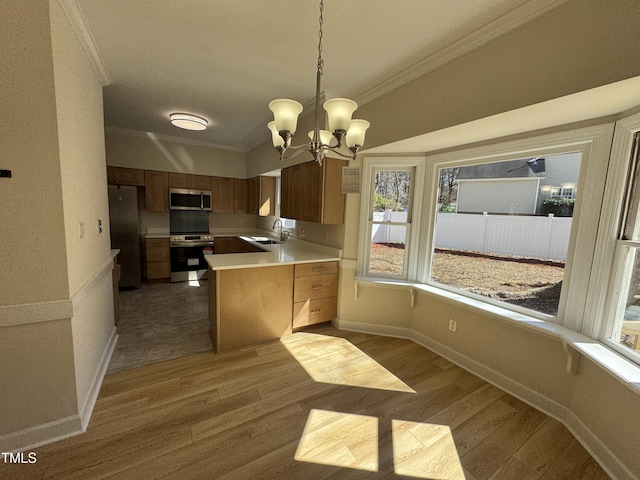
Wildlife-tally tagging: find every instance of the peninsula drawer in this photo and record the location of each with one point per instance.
(315, 286)
(320, 268)
(314, 311)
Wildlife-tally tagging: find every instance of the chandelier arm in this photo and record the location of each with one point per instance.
(296, 151)
(334, 150)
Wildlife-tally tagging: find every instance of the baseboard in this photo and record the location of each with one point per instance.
(86, 409)
(600, 452)
(39, 435)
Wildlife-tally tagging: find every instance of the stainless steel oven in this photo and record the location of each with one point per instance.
(187, 256)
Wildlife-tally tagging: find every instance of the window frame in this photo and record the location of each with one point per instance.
(610, 260)
(577, 311)
(370, 165)
(594, 145)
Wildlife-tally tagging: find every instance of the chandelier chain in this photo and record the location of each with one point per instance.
(320, 22)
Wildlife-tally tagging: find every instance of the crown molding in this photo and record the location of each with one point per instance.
(76, 17)
(169, 138)
(507, 22)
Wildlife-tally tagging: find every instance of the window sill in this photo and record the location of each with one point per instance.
(574, 343)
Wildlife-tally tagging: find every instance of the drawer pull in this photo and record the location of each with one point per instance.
(316, 286)
(315, 312)
(318, 269)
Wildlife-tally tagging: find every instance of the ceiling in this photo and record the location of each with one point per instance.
(225, 60)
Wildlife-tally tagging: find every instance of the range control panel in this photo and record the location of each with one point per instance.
(191, 238)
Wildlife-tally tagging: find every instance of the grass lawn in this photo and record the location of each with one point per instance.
(527, 282)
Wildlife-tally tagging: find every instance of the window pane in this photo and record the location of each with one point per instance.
(627, 323)
(386, 253)
(391, 190)
(502, 229)
(389, 214)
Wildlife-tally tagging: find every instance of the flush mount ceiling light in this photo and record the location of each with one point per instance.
(339, 111)
(188, 121)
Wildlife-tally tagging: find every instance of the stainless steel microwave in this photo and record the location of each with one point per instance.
(184, 199)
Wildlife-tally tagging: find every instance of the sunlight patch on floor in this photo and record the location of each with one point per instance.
(425, 450)
(340, 439)
(335, 360)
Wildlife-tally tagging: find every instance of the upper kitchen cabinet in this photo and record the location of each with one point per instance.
(239, 188)
(261, 196)
(156, 191)
(313, 193)
(192, 182)
(221, 195)
(125, 176)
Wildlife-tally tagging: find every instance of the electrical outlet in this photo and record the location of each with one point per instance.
(453, 325)
(99, 226)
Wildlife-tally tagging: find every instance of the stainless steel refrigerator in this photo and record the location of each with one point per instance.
(123, 221)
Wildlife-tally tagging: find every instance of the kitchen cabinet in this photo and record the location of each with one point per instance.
(158, 258)
(239, 189)
(261, 193)
(192, 182)
(315, 293)
(248, 306)
(125, 176)
(156, 191)
(221, 195)
(313, 193)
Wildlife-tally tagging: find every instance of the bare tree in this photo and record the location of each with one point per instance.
(448, 187)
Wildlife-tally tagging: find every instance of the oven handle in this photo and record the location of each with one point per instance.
(191, 244)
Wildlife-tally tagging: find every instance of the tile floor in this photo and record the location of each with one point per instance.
(161, 321)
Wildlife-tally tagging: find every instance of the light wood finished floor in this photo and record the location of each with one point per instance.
(322, 404)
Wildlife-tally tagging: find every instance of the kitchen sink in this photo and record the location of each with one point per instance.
(268, 242)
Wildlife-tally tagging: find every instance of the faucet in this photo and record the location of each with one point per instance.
(283, 234)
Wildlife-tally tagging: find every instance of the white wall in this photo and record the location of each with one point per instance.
(509, 196)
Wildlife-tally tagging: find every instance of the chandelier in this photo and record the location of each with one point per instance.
(341, 127)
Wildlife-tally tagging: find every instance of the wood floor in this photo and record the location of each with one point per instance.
(323, 404)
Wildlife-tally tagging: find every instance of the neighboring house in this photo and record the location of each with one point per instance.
(517, 187)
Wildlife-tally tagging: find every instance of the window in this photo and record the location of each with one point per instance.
(444, 187)
(623, 328)
(563, 192)
(389, 216)
(288, 224)
(494, 235)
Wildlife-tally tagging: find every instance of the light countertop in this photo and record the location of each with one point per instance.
(288, 252)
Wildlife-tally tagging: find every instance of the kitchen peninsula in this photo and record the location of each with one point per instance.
(259, 296)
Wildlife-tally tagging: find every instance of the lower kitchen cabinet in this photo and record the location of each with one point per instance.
(248, 306)
(315, 293)
(158, 258)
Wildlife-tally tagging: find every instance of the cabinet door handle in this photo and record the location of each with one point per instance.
(315, 312)
(316, 286)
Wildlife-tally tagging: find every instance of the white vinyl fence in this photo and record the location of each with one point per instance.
(546, 238)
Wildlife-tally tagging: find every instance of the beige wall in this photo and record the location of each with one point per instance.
(84, 189)
(579, 45)
(56, 318)
(38, 384)
(150, 153)
(32, 239)
(81, 149)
